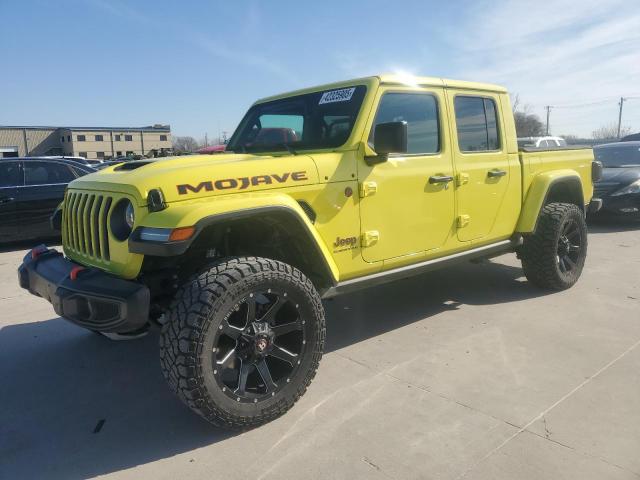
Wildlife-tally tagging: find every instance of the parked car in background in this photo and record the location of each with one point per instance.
(619, 187)
(109, 163)
(541, 142)
(30, 190)
(82, 160)
(212, 150)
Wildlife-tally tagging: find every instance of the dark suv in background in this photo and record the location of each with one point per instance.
(30, 190)
(619, 187)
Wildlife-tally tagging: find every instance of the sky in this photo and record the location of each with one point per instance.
(199, 65)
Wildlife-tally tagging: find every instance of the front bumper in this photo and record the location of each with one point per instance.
(87, 297)
(621, 206)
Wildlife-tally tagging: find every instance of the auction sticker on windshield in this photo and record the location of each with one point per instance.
(342, 95)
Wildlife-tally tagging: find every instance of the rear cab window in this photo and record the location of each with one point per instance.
(476, 124)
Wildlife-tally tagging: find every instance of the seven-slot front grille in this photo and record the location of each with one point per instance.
(85, 224)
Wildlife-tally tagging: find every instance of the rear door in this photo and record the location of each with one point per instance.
(483, 170)
(10, 181)
(44, 186)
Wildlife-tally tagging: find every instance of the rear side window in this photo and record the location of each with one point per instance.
(10, 174)
(477, 124)
(420, 111)
(42, 173)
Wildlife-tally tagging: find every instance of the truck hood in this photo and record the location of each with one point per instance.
(198, 176)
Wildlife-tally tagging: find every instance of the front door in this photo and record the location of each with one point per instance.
(482, 163)
(45, 183)
(407, 202)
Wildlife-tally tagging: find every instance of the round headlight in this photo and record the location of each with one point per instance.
(122, 219)
(129, 215)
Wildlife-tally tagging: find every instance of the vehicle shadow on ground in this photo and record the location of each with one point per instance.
(368, 313)
(75, 405)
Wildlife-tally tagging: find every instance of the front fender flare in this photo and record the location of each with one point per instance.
(203, 214)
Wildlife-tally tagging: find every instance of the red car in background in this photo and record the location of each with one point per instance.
(213, 149)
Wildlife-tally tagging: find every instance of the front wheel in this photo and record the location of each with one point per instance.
(553, 257)
(243, 341)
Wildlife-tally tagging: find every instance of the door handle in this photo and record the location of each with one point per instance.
(6, 200)
(440, 179)
(496, 173)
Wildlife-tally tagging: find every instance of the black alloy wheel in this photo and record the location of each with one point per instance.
(569, 246)
(554, 255)
(259, 346)
(243, 340)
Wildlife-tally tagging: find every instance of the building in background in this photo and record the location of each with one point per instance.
(88, 142)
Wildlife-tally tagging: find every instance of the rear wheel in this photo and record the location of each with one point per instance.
(243, 340)
(553, 257)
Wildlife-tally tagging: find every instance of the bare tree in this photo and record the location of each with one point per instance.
(610, 132)
(185, 144)
(527, 124)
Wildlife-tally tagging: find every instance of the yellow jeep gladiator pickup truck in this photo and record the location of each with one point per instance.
(321, 191)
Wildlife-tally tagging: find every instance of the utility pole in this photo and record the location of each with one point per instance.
(622, 99)
(548, 108)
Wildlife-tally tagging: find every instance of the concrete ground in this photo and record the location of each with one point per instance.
(465, 373)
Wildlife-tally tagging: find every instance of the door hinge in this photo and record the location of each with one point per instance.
(369, 238)
(462, 179)
(463, 220)
(368, 188)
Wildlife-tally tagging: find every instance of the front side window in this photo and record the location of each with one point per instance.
(477, 124)
(116, 138)
(10, 174)
(163, 138)
(81, 138)
(99, 138)
(420, 111)
(43, 173)
(128, 138)
(316, 120)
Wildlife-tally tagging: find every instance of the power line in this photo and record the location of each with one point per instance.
(592, 103)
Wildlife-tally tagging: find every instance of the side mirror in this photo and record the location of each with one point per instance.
(388, 138)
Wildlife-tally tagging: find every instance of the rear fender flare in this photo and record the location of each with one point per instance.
(539, 192)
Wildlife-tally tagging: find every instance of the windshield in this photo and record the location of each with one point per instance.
(618, 156)
(315, 120)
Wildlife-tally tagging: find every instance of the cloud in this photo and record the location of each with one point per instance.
(559, 53)
(202, 40)
(247, 59)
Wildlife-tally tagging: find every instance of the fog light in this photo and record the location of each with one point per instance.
(629, 210)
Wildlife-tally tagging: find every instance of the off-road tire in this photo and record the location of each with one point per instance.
(540, 256)
(197, 312)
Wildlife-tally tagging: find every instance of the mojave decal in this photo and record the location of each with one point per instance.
(241, 183)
